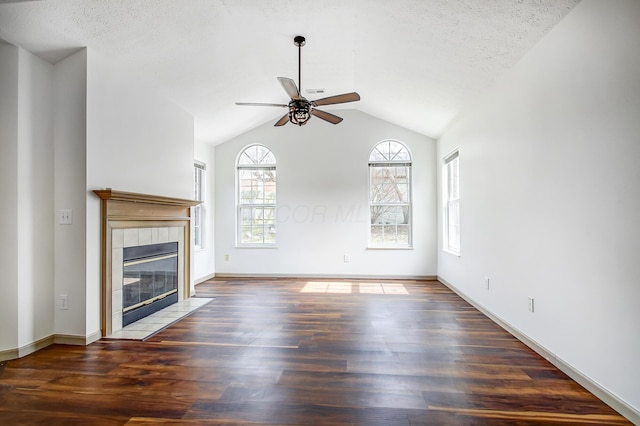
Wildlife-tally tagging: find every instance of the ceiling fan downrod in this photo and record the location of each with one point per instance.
(299, 41)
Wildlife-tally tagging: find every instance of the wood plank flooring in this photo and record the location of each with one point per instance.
(304, 352)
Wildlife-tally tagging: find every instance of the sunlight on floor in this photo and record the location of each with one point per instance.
(348, 287)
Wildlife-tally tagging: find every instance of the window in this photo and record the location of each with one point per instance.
(451, 201)
(199, 173)
(256, 197)
(390, 195)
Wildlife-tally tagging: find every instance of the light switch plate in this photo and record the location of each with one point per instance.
(65, 217)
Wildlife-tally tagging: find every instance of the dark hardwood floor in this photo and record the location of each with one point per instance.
(307, 352)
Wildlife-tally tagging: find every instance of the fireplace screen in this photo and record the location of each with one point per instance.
(150, 280)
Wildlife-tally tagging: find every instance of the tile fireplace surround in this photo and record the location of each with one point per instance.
(130, 219)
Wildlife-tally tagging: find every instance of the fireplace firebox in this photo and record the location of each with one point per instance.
(150, 280)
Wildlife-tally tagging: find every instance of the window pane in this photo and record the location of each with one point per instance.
(402, 235)
(389, 233)
(257, 225)
(389, 151)
(257, 186)
(257, 154)
(390, 224)
(389, 184)
(376, 234)
(453, 219)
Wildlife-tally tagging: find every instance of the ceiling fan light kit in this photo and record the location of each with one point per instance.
(300, 108)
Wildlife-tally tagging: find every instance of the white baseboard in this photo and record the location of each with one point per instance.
(8, 354)
(25, 350)
(592, 386)
(64, 339)
(328, 276)
(203, 279)
(71, 339)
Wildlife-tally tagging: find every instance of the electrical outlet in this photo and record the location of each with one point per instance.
(226, 257)
(347, 258)
(531, 304)
(65, 217)
(64, 302)
(486, 282)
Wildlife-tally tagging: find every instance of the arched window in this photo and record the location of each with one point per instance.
(390, 194)
(256, 223)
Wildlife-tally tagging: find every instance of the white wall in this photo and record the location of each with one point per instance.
(70, 183)
(204, 262)
(35, 199)
(322, 190)
(26, 211)
(138, 141)
(549, 166)
(9, 195)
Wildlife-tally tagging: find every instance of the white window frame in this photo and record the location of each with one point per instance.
(408, 204)
(451, 202)
(252, 206)
(199, 211)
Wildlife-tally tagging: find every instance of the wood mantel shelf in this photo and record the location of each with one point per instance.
(133, 197)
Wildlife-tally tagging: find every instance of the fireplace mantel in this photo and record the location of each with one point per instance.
(134, 197)
(151, 215)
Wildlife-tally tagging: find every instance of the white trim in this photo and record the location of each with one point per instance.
(204, 278)
(69, 339)
(64, 339)
(330, 276)
(592, 386)
(9, 354)
(455, 152)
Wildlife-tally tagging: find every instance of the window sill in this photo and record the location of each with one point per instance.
(257, 246)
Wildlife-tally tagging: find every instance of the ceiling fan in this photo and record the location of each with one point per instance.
(300, 108)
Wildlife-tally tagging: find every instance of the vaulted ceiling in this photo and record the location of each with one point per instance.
(415, 63)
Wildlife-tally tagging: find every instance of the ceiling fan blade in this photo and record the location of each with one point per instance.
(282, 121)
(260, 104)
(333, 119)
(290, 87)
(337, 99)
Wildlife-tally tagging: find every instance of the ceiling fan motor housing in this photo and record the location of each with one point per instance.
(299, 111)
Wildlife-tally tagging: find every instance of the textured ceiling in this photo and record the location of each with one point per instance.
(415, 63)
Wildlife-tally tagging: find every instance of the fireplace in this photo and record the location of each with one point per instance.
(146, 261)
(149, 280)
